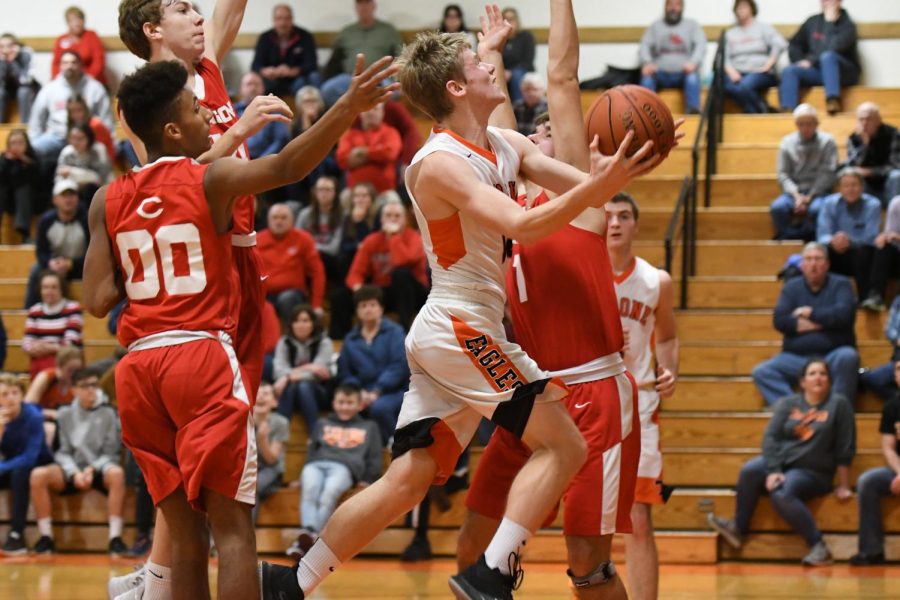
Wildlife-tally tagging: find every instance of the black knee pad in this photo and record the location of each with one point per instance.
(604, 573)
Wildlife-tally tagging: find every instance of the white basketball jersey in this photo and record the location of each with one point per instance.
(463, 254)
(638, 292)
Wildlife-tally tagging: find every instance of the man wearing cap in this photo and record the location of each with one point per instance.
(807, 161)
(62, 238)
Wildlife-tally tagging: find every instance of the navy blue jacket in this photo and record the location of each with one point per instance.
(380, 366)
(834, 308)
(23, 443)
(300, 52)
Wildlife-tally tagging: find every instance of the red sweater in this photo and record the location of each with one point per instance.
(89, 48)
(290, 261)
(378, 255)
(384, 146)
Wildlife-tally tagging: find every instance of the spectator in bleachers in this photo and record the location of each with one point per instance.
(822, 52)
(368, 36)
(811, 436)
(344, 450)
(285, 55)
(22, 449)
(848, 224)
(271, 333)
(394, 260)
(887, 258)
(807, 161)
(874, 149)
(671, 53)
(752, 49)
(79, 113)
(16, 77)
(454, 22)
(62, 239)
(272, 433)
(302, 366)
(82, 41)
(88, 457)
(52, 323)
(18, 184)
(373, 357)
(398, 116)
(275, 134)
(52, 389)
(3, 341)
(322, 219)
(815, 313)
(518, 53)
(881, 380)
(291, 261)
(309, 108)
(84, 161)
(532, 103)
(879, 482)
(369, 153)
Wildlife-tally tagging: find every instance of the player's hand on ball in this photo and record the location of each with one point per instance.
(366, 91)
(618, 170)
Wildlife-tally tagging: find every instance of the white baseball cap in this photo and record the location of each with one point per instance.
(64, 185)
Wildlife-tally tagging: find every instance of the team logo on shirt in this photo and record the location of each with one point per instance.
(148, 214)
(804, 430)
(224, 114)
(343, 437)
(634, 310)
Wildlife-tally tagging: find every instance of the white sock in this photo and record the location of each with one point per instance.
(158, 583)
(509, 539)
(115, 527)
(45, 526)
(318, 563)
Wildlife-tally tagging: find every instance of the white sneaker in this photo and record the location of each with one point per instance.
(118, 586)
(132, 594)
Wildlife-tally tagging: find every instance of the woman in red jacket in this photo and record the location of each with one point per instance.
(83, 41)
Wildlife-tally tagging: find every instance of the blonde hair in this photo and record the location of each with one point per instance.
(19, 381)
(426, 65)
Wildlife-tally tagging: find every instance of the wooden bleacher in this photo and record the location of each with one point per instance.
(710, 427)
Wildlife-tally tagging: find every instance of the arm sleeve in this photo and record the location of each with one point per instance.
(406, 249)
(57, 56)
(782, 318)
(895, 150)
(346, 373)
(359, 268)
(845, 434)
(873, 221)
(396, 369)
(281, 366)
(310, 58)
(771, 447)
(29, 337)
(78, 261)
(90, 41)
(855, 151)
(315, 270)
(774, 40)
(892, 327)
(257, 64)
(28, 457)
(827, 170)
(37, 122)
(841, 34)
(798, 48)
(64, 457)
(840, 312)
(112, 442)
(373, 454)
(699, 45)
(74, 325)
(333, 246)
(42, 248)
(386, 147)
(645, 50)
(324, 352)
(345, 145)
(825, 224)
(784, 169)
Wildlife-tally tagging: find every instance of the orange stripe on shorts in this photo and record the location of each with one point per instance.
(488, 358)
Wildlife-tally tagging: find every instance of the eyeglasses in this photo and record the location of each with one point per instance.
(86, 385)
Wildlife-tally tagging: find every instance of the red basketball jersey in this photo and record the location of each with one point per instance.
(562, 298)
(209, 87)
(177, 269)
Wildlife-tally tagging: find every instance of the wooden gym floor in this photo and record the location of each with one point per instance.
(83, 577)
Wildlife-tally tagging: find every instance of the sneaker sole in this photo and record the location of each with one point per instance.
(14, 552)
(729, 537)
(458, 592)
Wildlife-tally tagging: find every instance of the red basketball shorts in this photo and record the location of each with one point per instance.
(599, 498)
(248, 310)
(186, 416)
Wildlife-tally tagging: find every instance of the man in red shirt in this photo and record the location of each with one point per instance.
(369, 153)
(289, 257)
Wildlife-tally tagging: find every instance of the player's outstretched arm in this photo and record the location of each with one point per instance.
(494, 32)
(230, 177)
(102, 288)
(666, 334)
(563, 93)
(222, 28)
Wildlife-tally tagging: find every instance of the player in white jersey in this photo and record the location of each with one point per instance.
(462, 366)
(646, 307)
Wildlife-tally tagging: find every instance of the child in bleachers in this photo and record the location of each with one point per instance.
(344, 450)
(88, 457)
(272, 432)
(52, 387)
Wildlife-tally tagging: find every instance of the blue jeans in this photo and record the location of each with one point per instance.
(689, 83)
(833, 71)
(268, 481)
(384, 411)
(17, 482)
(308, 396)
(891, 187)
(871, 487)
(48, 146)
(323, 483)
(746, 92)
(776, 377)
(880, 380)
(782, 213)
(800, 486)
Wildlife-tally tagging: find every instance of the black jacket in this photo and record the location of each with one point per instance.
(300, 52)
(817, 35)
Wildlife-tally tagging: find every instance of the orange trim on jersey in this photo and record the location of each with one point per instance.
(447, 240)
(648, 490)
(627, 272)
(445, 451)
(497, 368)
(473, 147)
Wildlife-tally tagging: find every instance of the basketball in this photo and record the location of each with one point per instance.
(630, 107)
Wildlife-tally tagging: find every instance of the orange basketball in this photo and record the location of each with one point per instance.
(630, 107)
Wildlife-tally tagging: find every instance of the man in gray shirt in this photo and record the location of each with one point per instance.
(671, 52)
(807, 161)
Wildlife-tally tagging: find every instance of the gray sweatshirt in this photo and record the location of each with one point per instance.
(87, 438)
(670, 47)
(807, 167)
(290, 353)
(49, 114)
(748, 48)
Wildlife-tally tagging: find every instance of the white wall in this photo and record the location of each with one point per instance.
(881, 67)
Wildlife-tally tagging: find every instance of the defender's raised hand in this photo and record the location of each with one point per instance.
(495, 30)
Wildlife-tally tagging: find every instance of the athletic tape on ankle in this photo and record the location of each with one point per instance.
(602, 574)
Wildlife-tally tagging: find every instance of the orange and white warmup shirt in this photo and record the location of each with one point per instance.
(638, 292)
(462, 365)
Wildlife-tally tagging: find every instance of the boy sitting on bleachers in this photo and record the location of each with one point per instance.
(345, 449)
(272, 433)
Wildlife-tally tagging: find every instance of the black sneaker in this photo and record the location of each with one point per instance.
(418, 549)
(864, 560)
(874, 302)
(117, 547)
(305, 540)
(277, 582)
(15, 544)
(44, 545)
(480, 582)
(141, 546)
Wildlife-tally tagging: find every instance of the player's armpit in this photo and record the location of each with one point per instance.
(103, 288)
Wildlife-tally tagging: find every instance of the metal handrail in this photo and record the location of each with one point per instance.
(682, 210)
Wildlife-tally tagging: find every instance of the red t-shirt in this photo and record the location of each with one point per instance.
(384, 146)
(88, 47)
(292, 262)
(378, 255)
